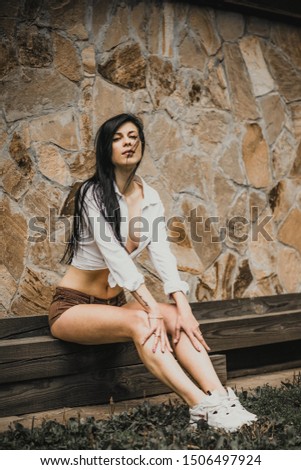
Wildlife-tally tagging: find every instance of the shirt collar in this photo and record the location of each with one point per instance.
(150, 196)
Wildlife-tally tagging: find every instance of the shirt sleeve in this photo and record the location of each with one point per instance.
(162, 258)
(123, 271)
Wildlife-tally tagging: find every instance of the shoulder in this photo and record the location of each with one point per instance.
(90, 195)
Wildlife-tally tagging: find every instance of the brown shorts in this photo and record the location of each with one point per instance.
(65, 298)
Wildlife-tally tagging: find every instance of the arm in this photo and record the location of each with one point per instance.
(161, 256)
(166, 265)
(187, 322)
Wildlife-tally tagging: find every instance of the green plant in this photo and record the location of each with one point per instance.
(165, 426)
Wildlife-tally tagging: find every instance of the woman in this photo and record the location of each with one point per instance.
(89, 306)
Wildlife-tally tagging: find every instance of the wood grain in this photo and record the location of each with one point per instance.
(30, 358)
(39, 372)
(88, 388)
(251, 330)
(37, 325)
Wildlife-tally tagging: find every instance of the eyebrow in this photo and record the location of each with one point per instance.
(120, 133)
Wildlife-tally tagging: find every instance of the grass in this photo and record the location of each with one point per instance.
(165, 426)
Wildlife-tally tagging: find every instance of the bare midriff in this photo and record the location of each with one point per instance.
(89, 282)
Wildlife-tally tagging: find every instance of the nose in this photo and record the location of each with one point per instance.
(127, 141)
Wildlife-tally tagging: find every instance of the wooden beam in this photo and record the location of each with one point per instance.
(41, 357)
(265, 369)
(289, 11)
(251, 330)
(88, 388)
(20, 327)
(37, 325)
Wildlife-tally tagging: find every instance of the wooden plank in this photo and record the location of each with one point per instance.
(46, 356)
(88, 388)
(241, 307)
(30, 358)
(277, 7)
(268, 368)
(37, 325)
(47, 346)
(289, 11)
(19, 327)
(266, 354)
(251, 330)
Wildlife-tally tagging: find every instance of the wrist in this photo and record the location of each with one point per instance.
(180, 298)
(182, 305)
(154, 311)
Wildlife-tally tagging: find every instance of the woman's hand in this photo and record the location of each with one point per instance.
(155, 319)
(158, 330)
(187, 322)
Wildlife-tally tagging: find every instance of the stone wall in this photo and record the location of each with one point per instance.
(220, 97)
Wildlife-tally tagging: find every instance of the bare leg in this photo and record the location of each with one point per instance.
(100, 324)
(197, 364)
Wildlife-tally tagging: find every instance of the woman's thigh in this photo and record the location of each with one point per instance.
(99, 324)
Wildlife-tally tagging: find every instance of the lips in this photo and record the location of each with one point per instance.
(128, 153)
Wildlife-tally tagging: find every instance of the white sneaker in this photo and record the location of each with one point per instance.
(233, 404)
(214, 409)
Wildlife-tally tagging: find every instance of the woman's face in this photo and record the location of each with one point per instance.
(126, 146)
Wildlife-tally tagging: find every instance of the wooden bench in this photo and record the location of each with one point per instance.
(39, 372)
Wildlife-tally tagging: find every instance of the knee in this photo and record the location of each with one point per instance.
(139, 324)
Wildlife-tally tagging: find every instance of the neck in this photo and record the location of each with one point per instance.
(121, 178)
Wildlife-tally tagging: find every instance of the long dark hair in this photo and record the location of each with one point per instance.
(102, 183)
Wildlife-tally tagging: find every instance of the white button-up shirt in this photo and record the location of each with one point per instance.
(102, 250)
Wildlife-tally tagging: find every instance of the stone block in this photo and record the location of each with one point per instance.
(230, 25)
(283, 72)
(14, 238)
(20, 155)
(274, 116)
(125, 66)
(289, 269)
(42, 197)
(261, 79)
(287, 37)
(296, 168)
(52, 164)
(289, 232)
(242, 99)
(34, 46)
(201, 21)
(14, 182)
(34, 293)
(39, 91)
(256, 157)
(66, 59)
(8, 287)
(283, 155)
(60, 128)
(117, 30)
